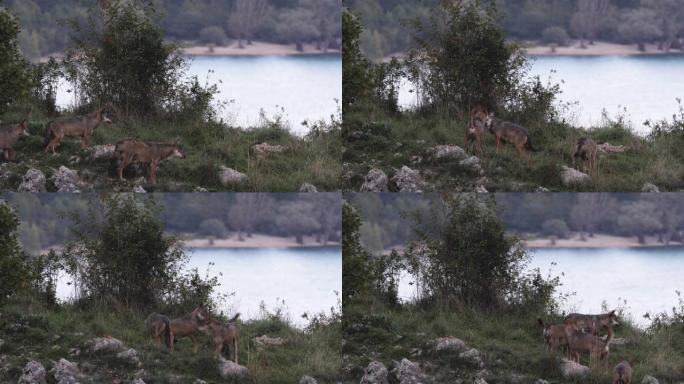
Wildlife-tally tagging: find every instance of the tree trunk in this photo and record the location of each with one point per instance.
(300, 239)
(641, 46)
(641, 239)
(300, 46)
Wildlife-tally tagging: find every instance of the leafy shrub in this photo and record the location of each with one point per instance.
(13, 67)
(556, 227)
(15, 270)
(555, 35)
(213, 35)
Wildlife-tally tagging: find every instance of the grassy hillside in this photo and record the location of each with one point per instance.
(374, 138)
(313, 159)
(47, 335)
(511, 346)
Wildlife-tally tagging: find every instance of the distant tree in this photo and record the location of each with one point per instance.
(371, 236)
(669, 17)
(15, 269)
(557, 228)
(589, 18)
(590, 210)
(639, 219)
(298, 219)
(326, 18)
(213, 227)
(640, 26)
(357, 81)
(213, 35)
(357, 275)
(296, 25)
(247, 211)
(555, 35)
(246, 18)
(14, 82)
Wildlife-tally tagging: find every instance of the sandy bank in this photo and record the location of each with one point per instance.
(256, 241)
(598, 241)
(258, 48)
(599, 48)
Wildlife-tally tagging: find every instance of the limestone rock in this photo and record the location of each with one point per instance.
(306, 379)
(266, 341)
(408, 372)
(229, 369)
(375, 181)
(375, 373)
(229, 176)
(65, 372)
(33, 181)
(408, 180)
(571, 176)
(449, 343)
(570, 369)
(130, 356)
(308, 187)
(33, 373)
(650, 188)
(104, 344)
(447, 152)
(648, 379)
(66, 180)
(264, 149)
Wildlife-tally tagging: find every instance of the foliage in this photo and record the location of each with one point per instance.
(213, 35)
(357, 276)
(556, 227)
(15, 267)
(14, 78)
(555, 35)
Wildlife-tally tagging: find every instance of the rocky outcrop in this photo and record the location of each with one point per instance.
(104, 344)
(375, 373)
(267, 341)
(33, 181)
(308, 188)
(306, 379)
(139, 189)
(33, 373)
(471, 356)
(572, 177)
(569, 369)
(264, 149)
(228, 369)
(447, 152)
(66, 180)
(649, 380)
(229, 176)
(407, 372)
(375, 181)
(449, 344)
(408, 180)
(650, 188)
(607, 148)
(129, 356)
(102, 151)
(471, 164)
(65, 372)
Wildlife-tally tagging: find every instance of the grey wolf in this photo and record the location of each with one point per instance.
(78, 126)
(9, 135)
(221, 335)
(622, 373)
(592, 323)
(509, 132)
(475, 128)
(596, 346)
(131, 150)
(586, 150)
(185, 326)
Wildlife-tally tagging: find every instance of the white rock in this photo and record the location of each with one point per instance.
(103, 151)
(650, 188)
(449, 343)
(33, 373)
(408, 372)
(139, 189)
(408, 180)
(228, 369)
(375, 181)
(266, 341)
(66, 180)
(105, 344)
(472, 356)
(375, 373)
(65, 372)
(229, 176)
(648, 379)
(308, 187)
(306, 379)
(570, 369)
(130, 356)
(265, 148)
(444, 152)
(571, 176)
(33, 181)
(471, 164)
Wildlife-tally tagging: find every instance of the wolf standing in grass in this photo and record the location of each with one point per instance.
(509, 132)
(9, 136)
(130, 150)
(79, 126)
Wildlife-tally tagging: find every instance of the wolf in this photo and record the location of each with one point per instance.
(509, 132)
(586, 150)
(185, 326)
(554, 335)
(596, 346)
(78, 126)
(475, 128)
(592, 323)
(131, 150)
(622, 373)
(221, 335)
(9, 135)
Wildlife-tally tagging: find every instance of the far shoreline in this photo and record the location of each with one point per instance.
(598, 49)
(254, 242)
(599, 241)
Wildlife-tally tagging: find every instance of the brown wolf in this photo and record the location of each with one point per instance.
(475, 128)
(221, 335)
(130, 150)
(586, 150)
(158, 325)
(623, 373)
(596, 346)
(78, 126)
(9, 135)
(509, 132)
(554, 335)
(185, 326)
(592, 323)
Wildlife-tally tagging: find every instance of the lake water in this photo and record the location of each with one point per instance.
(305, 279)
(646, 278)
(299, 88)
(646, 86)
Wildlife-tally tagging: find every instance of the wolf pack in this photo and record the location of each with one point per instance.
(220, 335)
(581, 334)
(126, 152)
(480, 121)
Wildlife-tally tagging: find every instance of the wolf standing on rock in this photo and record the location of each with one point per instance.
(78, 126)
(9, 136)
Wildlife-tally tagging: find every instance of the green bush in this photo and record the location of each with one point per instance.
(213, 35)
(555, 35)
(14, 79)
(15, 270)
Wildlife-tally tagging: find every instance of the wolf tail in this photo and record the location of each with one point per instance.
(167, 332)
(234, 319)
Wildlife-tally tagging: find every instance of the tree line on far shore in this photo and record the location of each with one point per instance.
(387, 22)
(236, 215)
(45, 23)
(387, 218)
